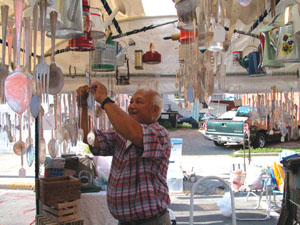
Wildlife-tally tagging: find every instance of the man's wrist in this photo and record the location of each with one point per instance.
(106, 100)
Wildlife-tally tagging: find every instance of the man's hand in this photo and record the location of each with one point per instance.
(99, 91)
(82, 95)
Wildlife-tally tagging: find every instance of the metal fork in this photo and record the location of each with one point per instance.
(42, 69)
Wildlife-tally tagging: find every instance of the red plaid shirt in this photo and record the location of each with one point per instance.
(137, 187)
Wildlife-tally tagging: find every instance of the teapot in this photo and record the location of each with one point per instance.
(244, 59)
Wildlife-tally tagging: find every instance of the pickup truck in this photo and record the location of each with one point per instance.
(240, 127)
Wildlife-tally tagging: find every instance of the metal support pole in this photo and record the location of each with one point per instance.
(37, 164)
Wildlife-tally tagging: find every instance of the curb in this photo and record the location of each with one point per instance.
(257, 154)
(18, 185)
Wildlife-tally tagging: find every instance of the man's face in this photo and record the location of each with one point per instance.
(140, 108)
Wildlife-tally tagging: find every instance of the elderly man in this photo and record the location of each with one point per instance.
(137, 190)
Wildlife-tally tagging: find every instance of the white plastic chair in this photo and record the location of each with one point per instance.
(193, 192)
(265, 188)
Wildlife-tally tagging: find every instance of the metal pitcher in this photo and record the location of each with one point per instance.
(71, 13)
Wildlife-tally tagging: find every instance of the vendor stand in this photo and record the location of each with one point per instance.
(74, 22)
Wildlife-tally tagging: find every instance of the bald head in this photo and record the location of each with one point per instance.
(150, 109)
(153, 96)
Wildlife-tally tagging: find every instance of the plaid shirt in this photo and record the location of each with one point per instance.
(137, 187)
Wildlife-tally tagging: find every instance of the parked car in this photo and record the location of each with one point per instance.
(229, 115)
(204, 118)
(188, 119)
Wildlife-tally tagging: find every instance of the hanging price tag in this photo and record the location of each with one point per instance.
(48, 122)
(219, 33)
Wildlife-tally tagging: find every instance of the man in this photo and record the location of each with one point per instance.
(137, 190)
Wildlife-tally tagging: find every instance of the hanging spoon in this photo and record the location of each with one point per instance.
(56, 80)
(35, 101)
(53, 146)
(18, 86)
(91, 135)
(3, 68)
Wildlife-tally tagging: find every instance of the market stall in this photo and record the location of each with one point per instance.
(201, 48)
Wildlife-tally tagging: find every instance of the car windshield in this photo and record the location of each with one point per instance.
(243, 111)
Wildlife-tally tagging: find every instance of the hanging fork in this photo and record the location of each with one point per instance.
(42, 69)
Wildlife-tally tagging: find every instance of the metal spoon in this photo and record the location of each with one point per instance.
(3, 67)
(18, 86)
(35, 101)
(56, 80)
(53, 146)
(19, 146)
(91, 135)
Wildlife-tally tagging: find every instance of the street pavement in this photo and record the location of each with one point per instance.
(199, 157)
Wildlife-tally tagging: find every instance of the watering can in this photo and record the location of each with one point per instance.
(288, 42)
(269, 51)
(71, 13)
(98, 25)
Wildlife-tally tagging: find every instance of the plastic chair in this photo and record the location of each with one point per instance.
(193, 192)
(265, 188)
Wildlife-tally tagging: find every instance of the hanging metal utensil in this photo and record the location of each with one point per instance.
(42, 69)
(56, 80)
(18, 86)
(29, 147)
(3, 68)
(35, 101)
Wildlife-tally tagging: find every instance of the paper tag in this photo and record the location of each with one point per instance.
(219, 33)
(48, 122)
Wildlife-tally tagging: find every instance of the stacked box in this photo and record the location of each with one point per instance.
(42, 220)
(59, 189)
(58, 196)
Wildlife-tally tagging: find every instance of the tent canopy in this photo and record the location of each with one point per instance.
(163, 75)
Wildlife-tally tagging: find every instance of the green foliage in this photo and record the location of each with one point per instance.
(262, 150)
(184, 125)
(266, 150)
(166, 124)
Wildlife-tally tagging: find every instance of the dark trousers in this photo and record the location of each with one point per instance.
(160, 219)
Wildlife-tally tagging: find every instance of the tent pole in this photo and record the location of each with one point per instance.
(37, 164)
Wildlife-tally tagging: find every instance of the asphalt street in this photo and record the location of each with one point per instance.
(202, 157)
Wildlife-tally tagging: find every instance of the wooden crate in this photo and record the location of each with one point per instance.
(42, 220)
(58, 189)
(61, 212)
